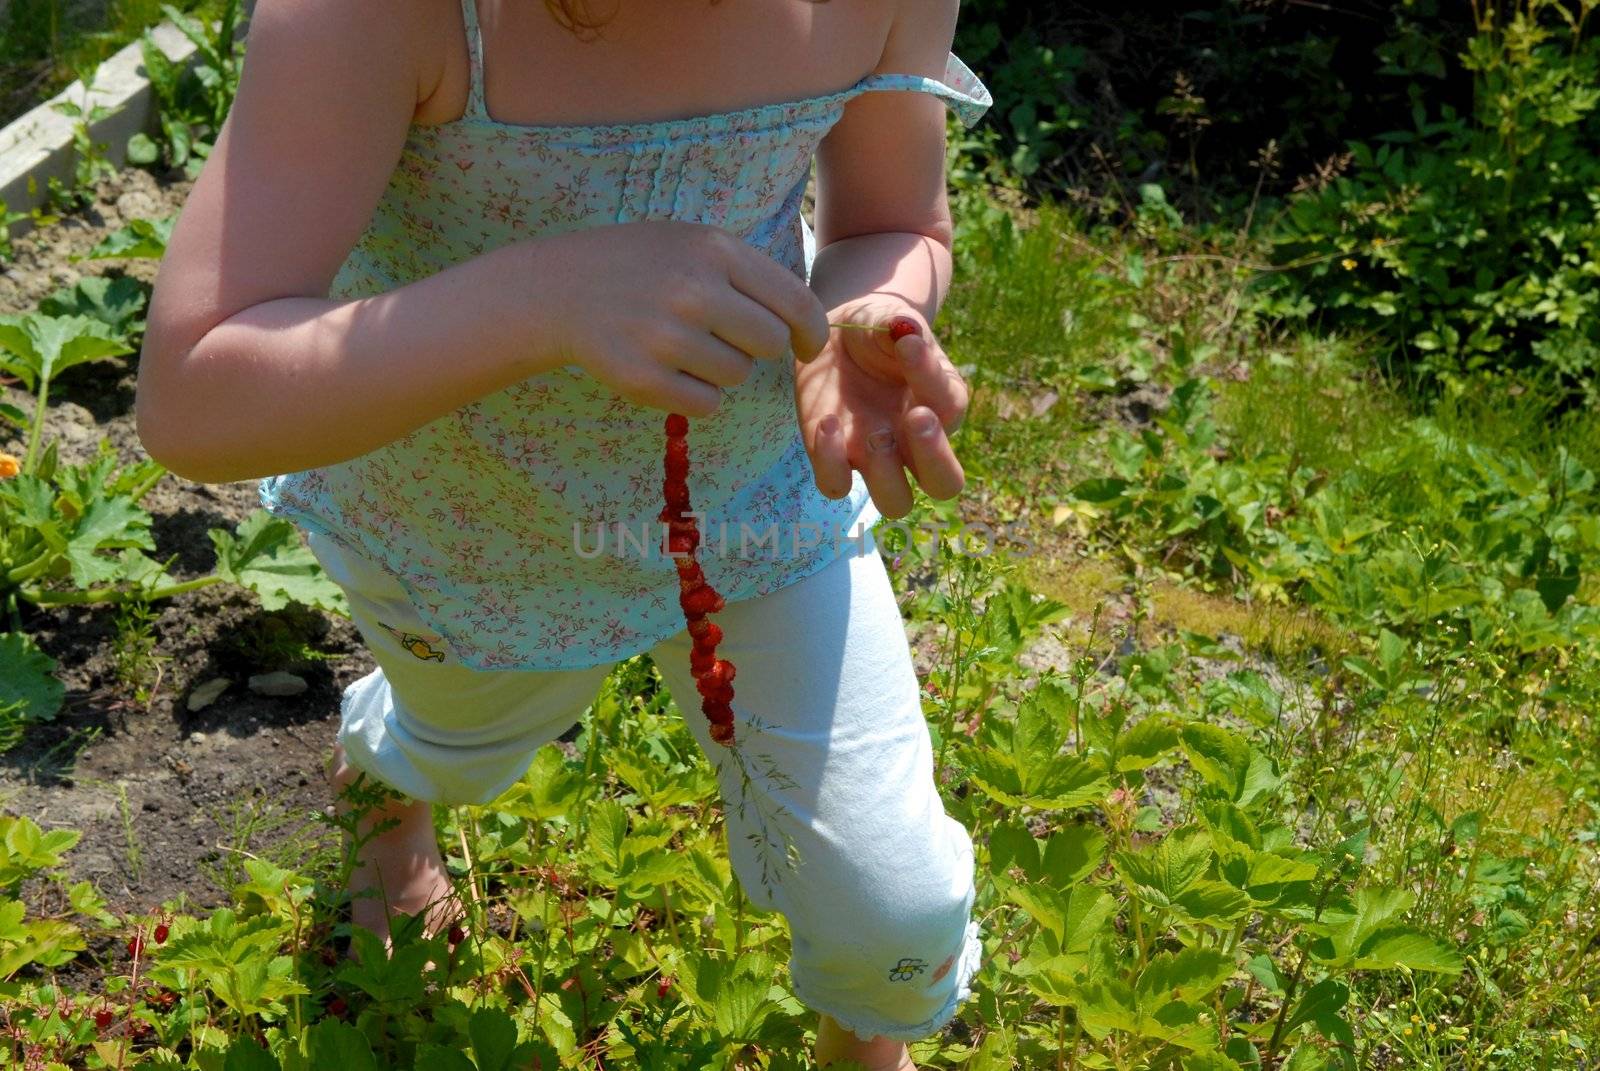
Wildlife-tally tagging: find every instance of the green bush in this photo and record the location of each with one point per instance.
(1471, 241)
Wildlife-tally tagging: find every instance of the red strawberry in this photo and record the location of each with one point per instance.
(103, 1018)
(712, 688)
(717, 711)
(901, 326)
(705, 632)
(663, 987)
(677, 425)
(722, 733)
(722, 671)
(700, 662)
(135, 946)
(456, 935)
(161, 933)
(337, 1007)
(684, 543)
(701, 600)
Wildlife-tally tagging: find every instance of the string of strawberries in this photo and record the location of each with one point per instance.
(696, 597)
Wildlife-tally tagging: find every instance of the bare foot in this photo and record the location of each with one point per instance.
(835, 1043)
(400, 870)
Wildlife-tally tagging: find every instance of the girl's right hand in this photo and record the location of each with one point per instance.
(669, 314)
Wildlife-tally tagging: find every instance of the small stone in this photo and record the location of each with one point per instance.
(278, 684)
(206, 694)
(197, 737)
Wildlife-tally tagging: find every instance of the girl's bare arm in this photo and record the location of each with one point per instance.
(249, 369)
(883, 221)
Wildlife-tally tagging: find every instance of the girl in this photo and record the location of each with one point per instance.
(450, 264)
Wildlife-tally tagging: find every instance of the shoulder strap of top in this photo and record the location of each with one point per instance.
(469, 16)
(959, 88)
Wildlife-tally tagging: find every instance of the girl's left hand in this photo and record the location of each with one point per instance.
(881, 407)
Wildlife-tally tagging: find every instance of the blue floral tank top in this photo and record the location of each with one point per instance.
(515, 523)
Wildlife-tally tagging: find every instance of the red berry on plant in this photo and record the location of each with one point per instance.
(456, 935)
(103, 1018)
(135, 946)
(901, 326)
(337, 1007)
(663, 987)
(161, 933)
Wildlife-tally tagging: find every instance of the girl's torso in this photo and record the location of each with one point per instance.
(651, 60)
(489, 516)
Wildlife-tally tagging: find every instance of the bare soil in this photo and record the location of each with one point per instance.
(168, 801)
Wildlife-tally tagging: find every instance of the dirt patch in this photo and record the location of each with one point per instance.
(169, 801)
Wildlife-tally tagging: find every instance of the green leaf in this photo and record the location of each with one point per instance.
(608, 828)
(1221, 757)
(439, 1058)
(1099, 491)
(1209, 1061)
(41, 347)
(1320, 1005)
(333, 1044)
(1146, 744)
(549, 788)
(140, 238)
(1190, 975)
(115, 302)
(1010, 845)
(27, 688)
(245, 1055)
(1168, 868)
(142, 150)
(266, 555)
(1212, 903)
(107, 524)
(1400, 946)
(494, 1039)
(1073, 854)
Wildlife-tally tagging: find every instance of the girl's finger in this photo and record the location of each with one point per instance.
(884, 471)
(751, 327)
(713, 360)
(676, 392)
(933, 380)
(829, 460)
(933, 462)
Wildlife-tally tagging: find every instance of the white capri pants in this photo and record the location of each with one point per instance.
(838, 765)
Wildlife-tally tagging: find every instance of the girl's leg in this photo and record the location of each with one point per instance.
(833, 815)
(434, 731)
(399, 871)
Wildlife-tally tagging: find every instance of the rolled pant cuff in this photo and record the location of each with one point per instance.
(867, 1026)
